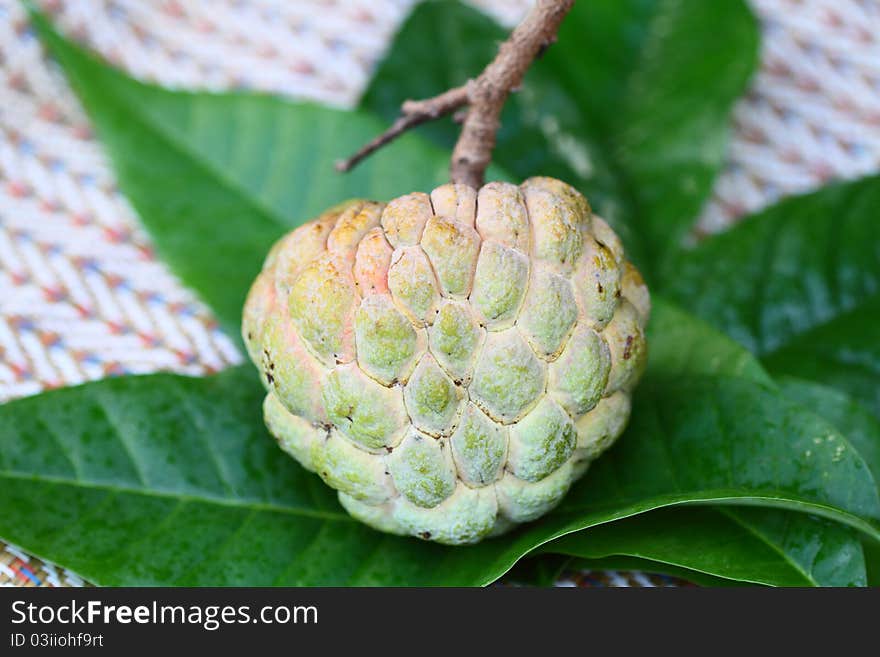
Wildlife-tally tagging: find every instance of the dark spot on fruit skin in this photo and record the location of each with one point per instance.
(389, 449)
(269, 378)
(617, 294)
(250, 335)
(627, 350)
(425, 535)
(600, 288)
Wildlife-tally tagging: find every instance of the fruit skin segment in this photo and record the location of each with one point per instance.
(449, 362)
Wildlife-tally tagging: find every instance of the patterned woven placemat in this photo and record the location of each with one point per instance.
(82, 295)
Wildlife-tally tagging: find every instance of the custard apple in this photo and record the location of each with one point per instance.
(449, 363)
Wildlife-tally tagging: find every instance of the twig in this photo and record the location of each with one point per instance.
(413, 113)
(485, 97)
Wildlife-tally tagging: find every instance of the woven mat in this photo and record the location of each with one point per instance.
(82, 295)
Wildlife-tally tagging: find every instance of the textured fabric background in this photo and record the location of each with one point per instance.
(82, 295)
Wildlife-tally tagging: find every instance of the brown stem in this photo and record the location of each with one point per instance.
(485, 97)
(488, 93)
(413, 113)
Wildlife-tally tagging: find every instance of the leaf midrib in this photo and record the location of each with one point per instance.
(771, 544)
(177, 496)
(705, 498)
(658, 559)
(766, 498)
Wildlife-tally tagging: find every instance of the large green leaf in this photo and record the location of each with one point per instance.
(711, 436)
(858, 424)
(171, 480)
(799, 285)
(683, 344)
(760, 546)
(860, 427)
(631, 104)
(722, 542)
(216, 178)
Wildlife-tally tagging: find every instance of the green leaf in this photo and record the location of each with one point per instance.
(216, 178)
(861, 428)
(759, 546)
(843, 352)
(799, 285)
(858, 424)
(683, 344)
(721, 541)
(631, 104)
(170, 480)
(714, 436)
